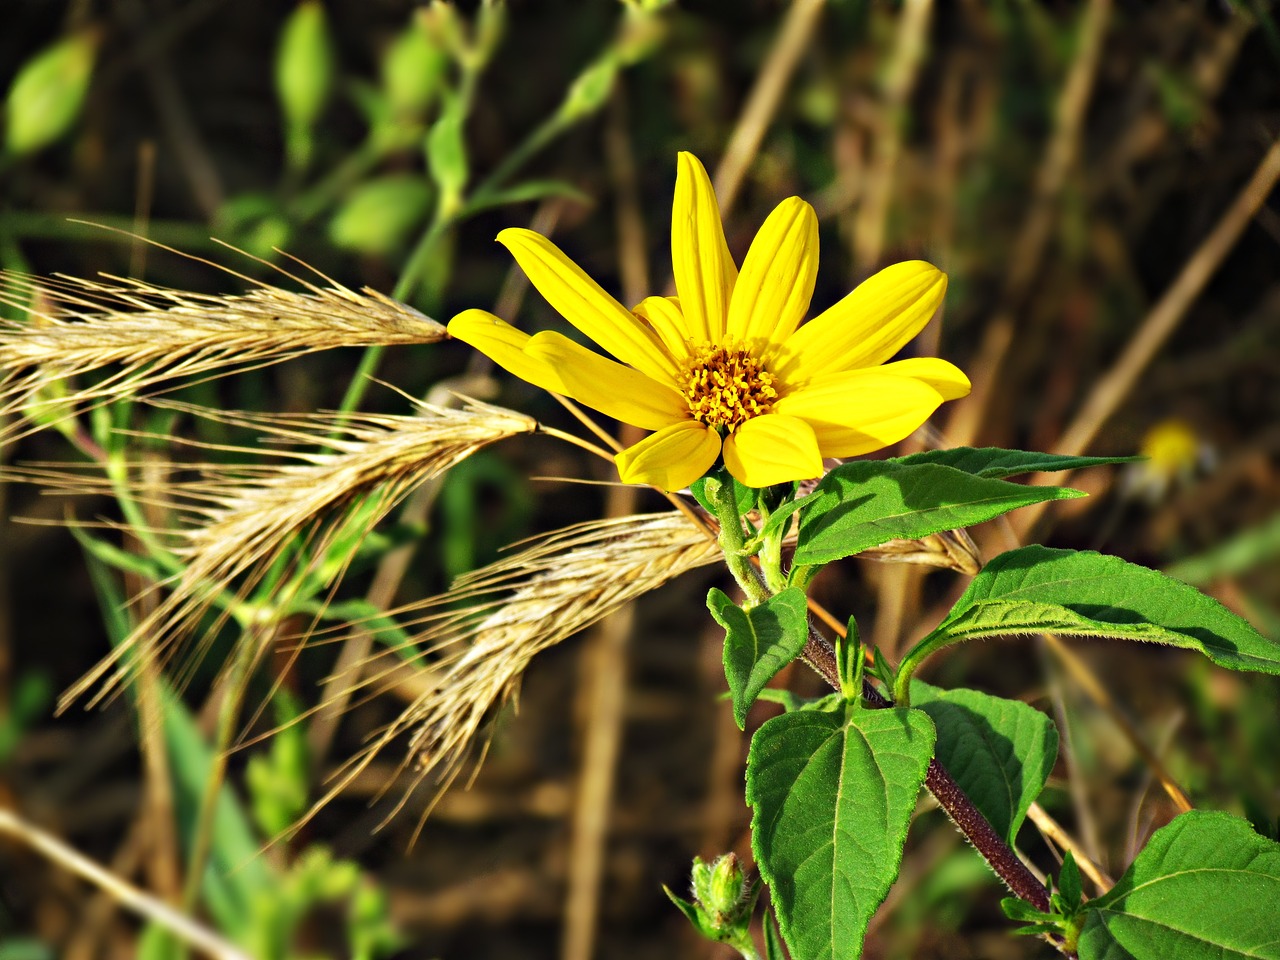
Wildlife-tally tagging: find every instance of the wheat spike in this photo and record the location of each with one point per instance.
(511, 611)
(242, 520)
(148, 334)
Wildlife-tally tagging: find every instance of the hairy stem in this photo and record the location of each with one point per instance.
(721, 494)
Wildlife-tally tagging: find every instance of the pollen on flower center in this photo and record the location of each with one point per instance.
(726, 385)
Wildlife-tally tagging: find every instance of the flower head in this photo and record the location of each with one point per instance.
(725, 368)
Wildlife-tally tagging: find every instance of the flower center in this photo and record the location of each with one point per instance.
(726, 386)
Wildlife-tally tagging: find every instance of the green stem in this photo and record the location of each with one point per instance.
(234, 685)
(525, 151)
(326, 192)
(732, 544)
(909, 665)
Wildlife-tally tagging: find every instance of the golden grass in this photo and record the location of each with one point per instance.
(137, 335)
(305, 517)
(482, 634)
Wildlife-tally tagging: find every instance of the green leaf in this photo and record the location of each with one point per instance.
(447, 152)
(49, 92)
(525, 192)
(305, 72)
(413, 69)
(832, 789)
(1239, 554)
(1070, 890)
(378, 216)
(1022, 912)
(236, 875)
(999, 751)
(758, 642)
(692, 914)
(864, 504)
(997, 463)
(1204, 888)
(783, 698)
(773, 948)
(1035, 589)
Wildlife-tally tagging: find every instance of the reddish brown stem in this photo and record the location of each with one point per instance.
(967, 818)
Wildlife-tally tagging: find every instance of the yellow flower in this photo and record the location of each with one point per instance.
(725, 367)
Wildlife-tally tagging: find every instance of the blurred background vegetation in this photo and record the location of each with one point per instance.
(1095, 178)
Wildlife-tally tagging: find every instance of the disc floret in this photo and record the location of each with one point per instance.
(726, 385)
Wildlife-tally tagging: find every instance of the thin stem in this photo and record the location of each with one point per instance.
(524, 151)
(123, 892)
(234, 686)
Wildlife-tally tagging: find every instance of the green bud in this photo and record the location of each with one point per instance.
(446, 28)
(304, 75)
(640, 35)
(700, 880)
(720, 896)
(725, 886)
(491, 24)
(379, 215)
(447, 155)
(412, 69)
(48, 93)
(646, 6)
(590, 90)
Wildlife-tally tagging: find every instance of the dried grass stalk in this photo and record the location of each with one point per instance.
(486, 629)
(309, 514)
(147, 334)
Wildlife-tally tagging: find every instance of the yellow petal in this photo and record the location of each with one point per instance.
(862, 410)
(700, 259)
(584, 303)
(948, 379)
(772, 294)
(504, 345)
(672, 458)
(773, 449)
(868, 326)
(664, 316)
(605, 385)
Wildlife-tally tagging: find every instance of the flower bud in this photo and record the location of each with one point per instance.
(491, 24)
(725, 886)
(48, 93)
(379, 215)
(412, 69)
(304, 75)
(589, 91)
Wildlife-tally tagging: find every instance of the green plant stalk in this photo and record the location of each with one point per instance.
(819, 654)
(117, 471)
(322, 195)
(732, 542)
(771, 558)
(910, 664)
(745, 947)
(235, 683)
(526, 150)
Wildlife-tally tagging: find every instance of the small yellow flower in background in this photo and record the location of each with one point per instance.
(1175, 453)
(725, 368)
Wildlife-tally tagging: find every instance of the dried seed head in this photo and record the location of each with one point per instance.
(495, 620)
(150, 334)
(241, 521)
